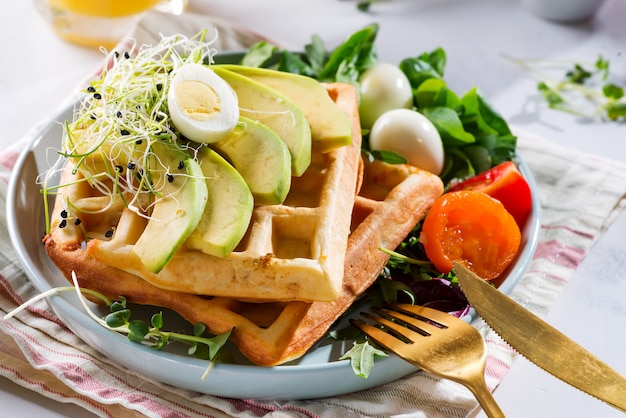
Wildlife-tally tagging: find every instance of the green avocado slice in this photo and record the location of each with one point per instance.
(268, 106)
(228, 211)
(176, 212)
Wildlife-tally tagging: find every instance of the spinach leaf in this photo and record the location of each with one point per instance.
(424, 67)
(353, 57)
(259, 54)
(449, 125)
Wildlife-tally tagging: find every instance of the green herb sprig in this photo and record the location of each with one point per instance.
(581, 89)
(362, 356)
(138, 331)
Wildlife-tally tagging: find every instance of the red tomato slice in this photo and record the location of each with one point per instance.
(505, 183)
(473, 229)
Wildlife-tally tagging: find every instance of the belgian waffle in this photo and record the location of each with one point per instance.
(292, 251)
(390, 201)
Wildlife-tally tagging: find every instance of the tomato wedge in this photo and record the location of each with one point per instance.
(472, 228)
(505, 183)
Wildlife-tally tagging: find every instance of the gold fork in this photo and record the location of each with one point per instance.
(435, 342)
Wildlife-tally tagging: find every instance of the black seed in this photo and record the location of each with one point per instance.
(131, 166)
(63, 224)
(91, 89)
(63, 214)
(170, 178)
(92, 116)
(159, 86)
(181, 165)
(97, 96)
(77, 221)
(119, 114)
(109, 233)
(139, 141)
(124, 132)
(119, 168)
(126, 55)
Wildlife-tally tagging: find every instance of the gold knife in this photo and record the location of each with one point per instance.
(541, 343)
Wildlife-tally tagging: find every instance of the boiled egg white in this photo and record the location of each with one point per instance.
(202, 106)
(383, 87)
(411, 135)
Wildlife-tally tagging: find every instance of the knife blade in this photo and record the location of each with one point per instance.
(541, 343)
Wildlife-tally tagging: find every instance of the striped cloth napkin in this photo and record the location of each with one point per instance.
(580, 196)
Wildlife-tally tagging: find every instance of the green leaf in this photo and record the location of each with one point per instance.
(258, 54)
(199, 329)
(118, 305)
(437, 60)
(361, 357)
(449, 126)
(160, 343)
(616, 111)
(456, 165)
(291, 63)
(602, 65)
(578, 74)
(351, 58)
(316, 54)
(157, 320)
(552, 96)
(138, 328)
(389, 157)
(479, 157)
(392, 288)
(613, 91)
(216, 343)
(118, 318)
(434, 92)
(486, 115)
(424, 67)
(199, 351)
(135, 338)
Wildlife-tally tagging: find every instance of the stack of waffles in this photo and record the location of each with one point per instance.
(298, 269)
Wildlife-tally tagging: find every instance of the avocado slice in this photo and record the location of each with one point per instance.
(262, 159)
(177, 210)
(330, 126)
(228, 211)
(268, 106)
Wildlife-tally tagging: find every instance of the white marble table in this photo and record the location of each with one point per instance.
(38, 71)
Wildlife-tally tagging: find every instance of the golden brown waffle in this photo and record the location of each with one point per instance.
(391, 200)
(292, 251)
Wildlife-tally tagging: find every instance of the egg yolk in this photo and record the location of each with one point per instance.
(197, 100)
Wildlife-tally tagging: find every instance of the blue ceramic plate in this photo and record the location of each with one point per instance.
(307, 377)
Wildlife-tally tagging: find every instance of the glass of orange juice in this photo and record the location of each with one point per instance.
(100, 22)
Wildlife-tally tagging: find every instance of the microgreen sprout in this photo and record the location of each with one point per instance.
(151, 335)
(583, 89)
(123, 118)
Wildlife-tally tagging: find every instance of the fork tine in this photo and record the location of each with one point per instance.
(384, 339)
(430, 314)
(423, 327)
(395, 327)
